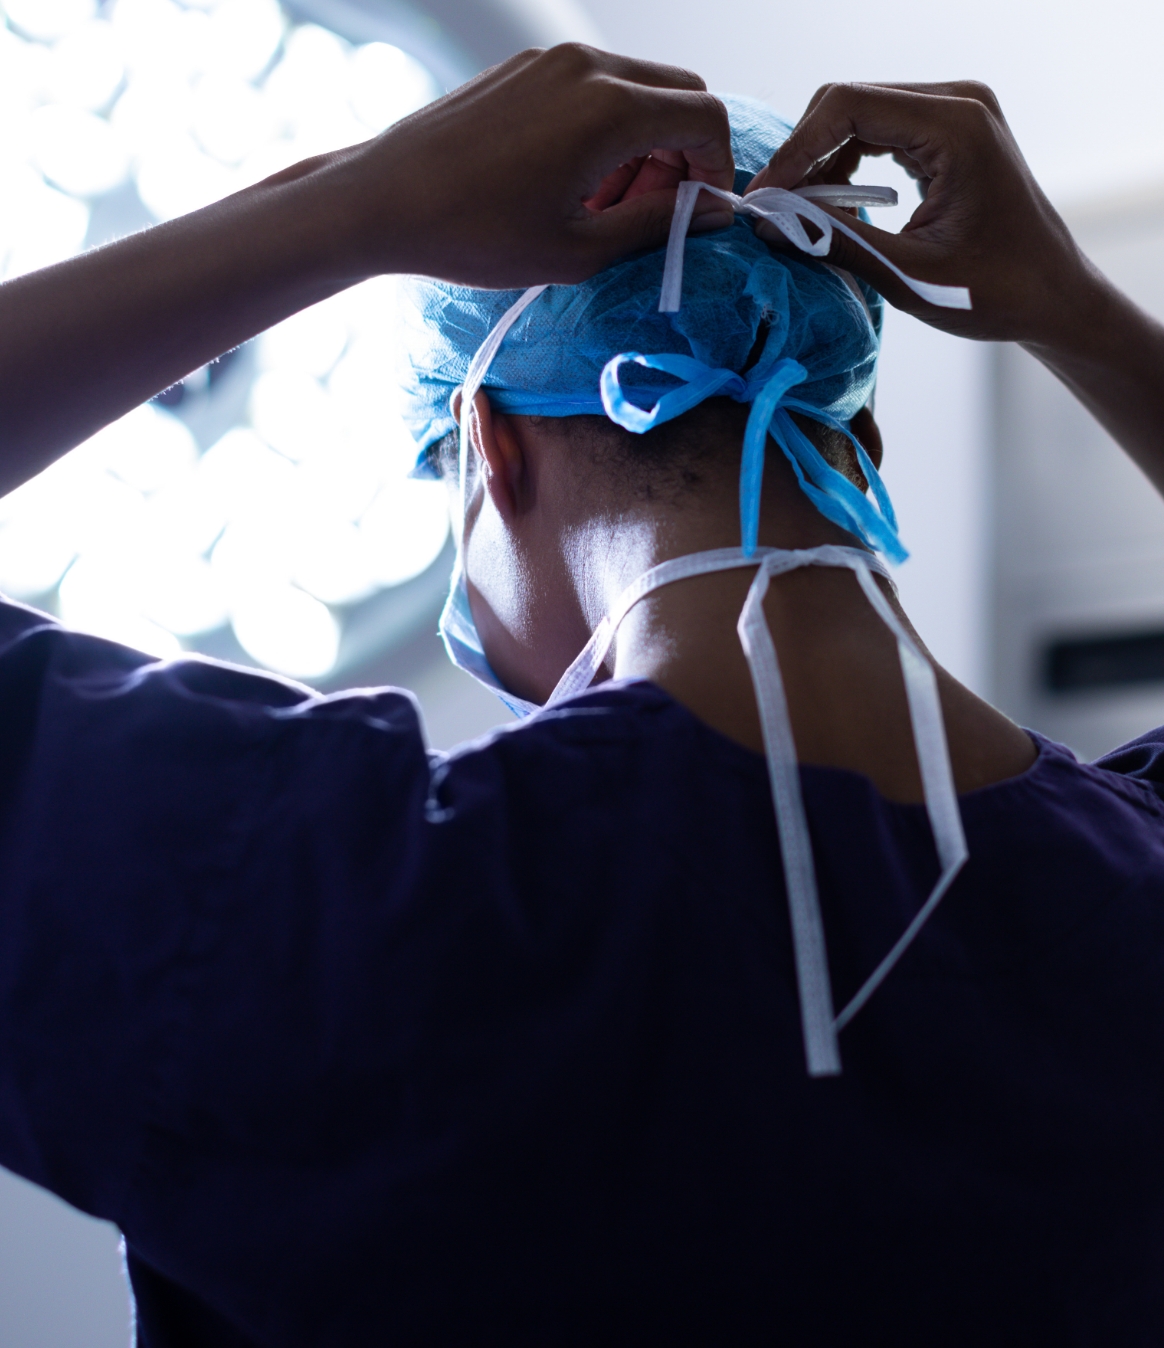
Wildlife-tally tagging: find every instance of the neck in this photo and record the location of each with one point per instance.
(839, 662)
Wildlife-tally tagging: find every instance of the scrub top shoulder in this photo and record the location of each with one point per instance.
(361, 1044)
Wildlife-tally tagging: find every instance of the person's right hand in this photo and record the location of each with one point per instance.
(983, 221)
(548, 167)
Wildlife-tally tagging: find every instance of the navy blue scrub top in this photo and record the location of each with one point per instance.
(365, 1045)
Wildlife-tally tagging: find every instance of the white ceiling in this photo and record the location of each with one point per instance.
(1080, 83)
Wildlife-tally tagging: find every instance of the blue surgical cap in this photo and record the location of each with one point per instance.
(745, 309)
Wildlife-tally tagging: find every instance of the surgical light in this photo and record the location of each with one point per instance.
(172, 523)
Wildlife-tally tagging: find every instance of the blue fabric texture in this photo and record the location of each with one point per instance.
(364, 1046)
(748, 317)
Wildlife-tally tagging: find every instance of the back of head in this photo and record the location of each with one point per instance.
(750, 316)
(673, 460)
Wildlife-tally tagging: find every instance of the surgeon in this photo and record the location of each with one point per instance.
(762, 985)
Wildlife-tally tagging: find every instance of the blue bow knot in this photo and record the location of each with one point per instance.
(872, 521)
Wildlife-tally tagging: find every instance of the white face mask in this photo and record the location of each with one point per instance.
(819, 1023)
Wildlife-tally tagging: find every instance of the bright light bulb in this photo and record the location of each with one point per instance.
(80, 153)
(147, 448)
(362, 387)
(159, 38)
(287, 630)
(405, 529)
(309, 342)
(309, 90)
(152, 114)
(251, 555)
(48, 19)
(244, 36)
(387, 84)
(94, 599)
(186, 513)
(147, 540)
(34, 553)
(293, 414)
(24, 76)
(311, 78)
(99, 595)
(182, 594)
(175, 178)
(345, 480)
(38, 225)
(104, 514)
(86, 67)
(245, 476)
(372, 310)
(331, 562)
(230, 118)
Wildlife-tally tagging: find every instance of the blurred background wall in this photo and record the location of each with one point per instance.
(1037, 568)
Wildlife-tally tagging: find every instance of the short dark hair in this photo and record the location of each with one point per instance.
(670, 460)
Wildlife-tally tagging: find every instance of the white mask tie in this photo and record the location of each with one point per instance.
(819, 1024)
(784, 210)
(474, 377)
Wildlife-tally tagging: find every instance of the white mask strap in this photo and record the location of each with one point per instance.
(478, 369)
(819, 1024)
(589, 660)
(785, 210)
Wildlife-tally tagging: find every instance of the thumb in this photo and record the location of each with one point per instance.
(645, 222)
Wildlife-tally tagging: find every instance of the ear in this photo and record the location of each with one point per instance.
(500, 456)
(869, 433)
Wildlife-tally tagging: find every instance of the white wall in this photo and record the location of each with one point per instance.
(1078, 548)
(1079, 82)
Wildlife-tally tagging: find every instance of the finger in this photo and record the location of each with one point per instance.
(840, 166)
(651, 74)
(895, 118)
(964, 89)
(972, 89)
(614, 185)
(655, 173)
(693, 123)
(643, 222)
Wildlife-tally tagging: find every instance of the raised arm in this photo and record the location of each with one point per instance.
(985, 223)
(497, 184)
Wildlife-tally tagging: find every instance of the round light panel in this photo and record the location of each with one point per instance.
(260, 509)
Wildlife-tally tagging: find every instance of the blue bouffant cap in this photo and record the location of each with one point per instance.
(736, 290)
(779, 331)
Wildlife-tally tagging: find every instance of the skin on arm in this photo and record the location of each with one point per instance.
(85, 341)
(984, 222)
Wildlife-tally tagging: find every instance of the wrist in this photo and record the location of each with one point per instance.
(360, 200)
(318, 212)
(1089, 325)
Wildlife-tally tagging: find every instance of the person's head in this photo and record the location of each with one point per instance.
(587, 458)
(565, 510)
